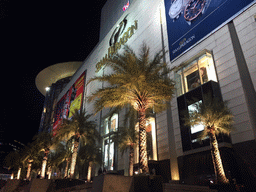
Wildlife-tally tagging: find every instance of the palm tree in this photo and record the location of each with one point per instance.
(44, 142)
(127, 137)
(90, 154)
(60, 154)
(14, 162)
(216, 118)
(77, 128)
(137, 81)
(29, 155)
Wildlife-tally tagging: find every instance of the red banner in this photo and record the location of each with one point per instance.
(68, 103)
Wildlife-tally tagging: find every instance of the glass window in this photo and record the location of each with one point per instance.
(196, 128)
(199, 71)
(207, 69)
(111, 156)
(109, 151)
(106, 154)
(114, 123)
(191, 76)
(106, 130)
(111, 124)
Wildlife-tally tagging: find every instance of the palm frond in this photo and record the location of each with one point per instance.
(134, 79)
(211, 113)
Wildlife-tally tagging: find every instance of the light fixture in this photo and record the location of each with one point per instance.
(47, 88)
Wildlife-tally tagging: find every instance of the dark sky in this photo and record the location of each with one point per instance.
(35, 35)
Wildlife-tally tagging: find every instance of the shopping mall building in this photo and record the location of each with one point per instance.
(211, 45)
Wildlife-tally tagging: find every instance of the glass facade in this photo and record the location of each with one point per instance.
(109, 154)
(195, 79)
(186, 105)
(110, 126)
(193, 74)
(196, 128)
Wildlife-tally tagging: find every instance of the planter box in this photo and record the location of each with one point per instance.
(168, 187)
(112, 183)
(10, 185)
(39, 185)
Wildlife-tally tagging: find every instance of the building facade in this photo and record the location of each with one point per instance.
(212, 48)
(50, 82)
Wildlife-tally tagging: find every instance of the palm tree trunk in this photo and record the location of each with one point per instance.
(12, 175)
(143, 159)
(66, 168)
(73, 160)
(43, 167)
(131, 161)
(219, 170)
(29, 169)
(89, 173)
(49, 172)
(18, 174)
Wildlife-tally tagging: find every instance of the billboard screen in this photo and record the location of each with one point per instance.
(69, 102)
(188, 21)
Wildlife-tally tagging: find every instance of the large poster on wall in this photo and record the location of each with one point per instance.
(69, 102)
(188, 21)
(76, 90)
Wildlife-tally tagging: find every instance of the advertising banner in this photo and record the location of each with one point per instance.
(69, 102)
(188, 21)
(76, 95)
(61, 111)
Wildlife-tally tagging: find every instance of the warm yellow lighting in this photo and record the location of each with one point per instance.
(18, 174)
(49, 172)
(29, 169)
(175, 176)
(89, 172)
(174, 170)
(151, 121)
(43, 168)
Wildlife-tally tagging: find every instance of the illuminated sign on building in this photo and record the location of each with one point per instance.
(118, 38)
(126, 6)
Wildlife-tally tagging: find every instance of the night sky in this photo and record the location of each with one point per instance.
(35, 35)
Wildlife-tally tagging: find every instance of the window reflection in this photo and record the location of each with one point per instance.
(195, 73)
(191, 109)
(111, 124)
(192, 78)
(108, 154)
